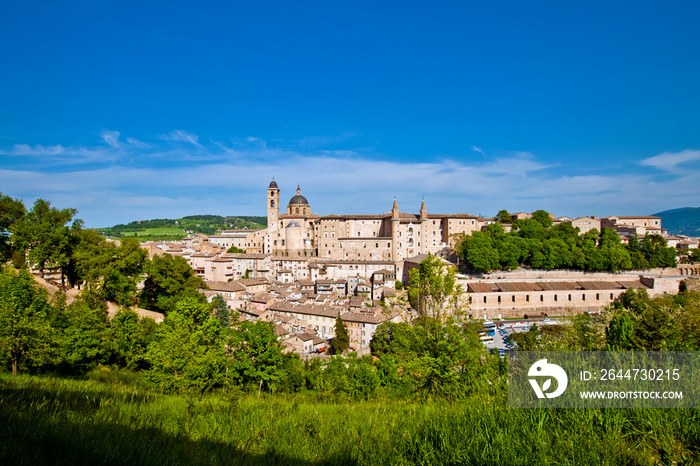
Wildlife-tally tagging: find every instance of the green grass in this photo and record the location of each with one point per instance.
(115, 420)
(157, 232)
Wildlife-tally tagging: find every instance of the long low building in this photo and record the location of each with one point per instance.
(493, 300)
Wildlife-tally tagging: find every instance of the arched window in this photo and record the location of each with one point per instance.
(296, 211)
(272, 203)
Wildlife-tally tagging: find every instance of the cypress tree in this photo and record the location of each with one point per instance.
(341, 342)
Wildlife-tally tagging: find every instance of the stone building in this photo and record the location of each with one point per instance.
(392, 236)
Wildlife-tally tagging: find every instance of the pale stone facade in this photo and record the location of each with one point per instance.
(393, 236)
(641, 225)
(586, 224)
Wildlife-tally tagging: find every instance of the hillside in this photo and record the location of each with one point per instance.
(683, 221)
(175, 229)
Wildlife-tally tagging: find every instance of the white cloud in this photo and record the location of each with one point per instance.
(669, 161)
(137, 143)
(179, 135)
(478, 149)
(37, 150)
(233, 180)
(110, 137)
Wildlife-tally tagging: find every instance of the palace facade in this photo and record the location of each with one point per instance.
(393, 236)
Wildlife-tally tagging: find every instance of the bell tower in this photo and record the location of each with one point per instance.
(273, 205)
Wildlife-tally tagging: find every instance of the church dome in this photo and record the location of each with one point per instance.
(273, 185)
(298, 199)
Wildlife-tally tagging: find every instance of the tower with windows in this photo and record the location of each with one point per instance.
(273, 206)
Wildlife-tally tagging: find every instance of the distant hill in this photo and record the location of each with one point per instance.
(683, 221)
(164, 229)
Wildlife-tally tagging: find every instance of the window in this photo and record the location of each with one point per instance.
(513, 298)
(499, 300)
(296, 211)
(541, 298)
(556, 298)
(569, 297)
(272, 203)
(484, 299)
(527, 298)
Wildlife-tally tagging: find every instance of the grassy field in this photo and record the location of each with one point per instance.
(46, 420)
(157, 232)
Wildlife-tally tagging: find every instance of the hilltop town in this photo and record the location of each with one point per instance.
(304, 270)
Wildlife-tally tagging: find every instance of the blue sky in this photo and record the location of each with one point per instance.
(128, 111)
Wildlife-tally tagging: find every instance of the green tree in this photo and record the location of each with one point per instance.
(11, 211)
(542, 217)
(619, 334)
(111, 271)
(479, 252)
(235, 250)
(85, 341)
(341, 341)
(255, 356)
(170, 279)
(655, 250)
(43, 233)
(504, 217)
(434, 291)
(131, 336)
(25, 334)
(188, 353)
(221, 311)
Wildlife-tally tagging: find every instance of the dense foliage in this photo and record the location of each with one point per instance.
(244, 400)
(635, 322)
(535, 243)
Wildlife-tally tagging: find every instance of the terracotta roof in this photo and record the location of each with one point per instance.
(357, 301)
(367, 318)
(252, 281)
(305, 336)
(230, 287)
(559, 286)
(223, 259)
(600, 285)
(518, 286)
(632, 284)
(252, 311)
(262, 298)
(482, 287)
